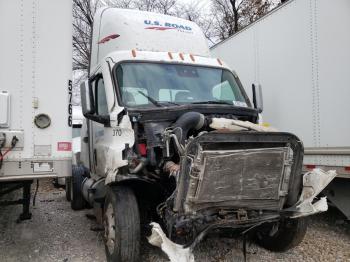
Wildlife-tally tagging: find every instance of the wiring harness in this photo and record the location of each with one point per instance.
(2, 145)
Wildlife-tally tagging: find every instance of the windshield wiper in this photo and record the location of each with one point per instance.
(169, 103)
(218, 102)
(154, 102)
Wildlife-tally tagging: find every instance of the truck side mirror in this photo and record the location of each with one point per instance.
(257, 97)
(87, 99)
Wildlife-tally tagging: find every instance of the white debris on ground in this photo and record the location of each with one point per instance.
(56, 233)
(175, 252)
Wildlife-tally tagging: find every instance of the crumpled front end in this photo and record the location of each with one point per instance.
(247, 171)
(239, 180)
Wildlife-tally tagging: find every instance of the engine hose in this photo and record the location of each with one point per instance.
(185, 123)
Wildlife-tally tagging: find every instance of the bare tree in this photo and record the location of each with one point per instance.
(159, 6)
(253, 10)
(146, 5)
(83, 12)
(196, 13)
(165, 6)
(225, 16)
(232, 15)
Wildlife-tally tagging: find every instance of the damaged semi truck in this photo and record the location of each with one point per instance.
(171, 136)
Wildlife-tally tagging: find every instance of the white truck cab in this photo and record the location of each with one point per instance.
(128, 42)
(171, 136)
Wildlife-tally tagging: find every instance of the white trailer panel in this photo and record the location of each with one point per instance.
(300, 54)
(35, 73)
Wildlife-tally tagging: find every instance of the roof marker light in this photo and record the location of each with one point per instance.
(133, 52)
(219, 61)
(192, 58)
(181, 56)
(170, 55)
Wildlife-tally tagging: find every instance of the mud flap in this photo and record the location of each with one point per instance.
(313, 183)
(175, 252)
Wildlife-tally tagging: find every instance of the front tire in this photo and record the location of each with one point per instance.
(122, 225)
(290, 233)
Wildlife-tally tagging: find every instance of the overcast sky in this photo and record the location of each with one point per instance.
(205, 4)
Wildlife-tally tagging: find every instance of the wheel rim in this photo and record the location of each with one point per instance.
(109, 226)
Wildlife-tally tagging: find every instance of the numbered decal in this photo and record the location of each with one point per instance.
(117, 132)
(70, 107)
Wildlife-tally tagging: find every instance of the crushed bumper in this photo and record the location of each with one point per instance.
(313, 183)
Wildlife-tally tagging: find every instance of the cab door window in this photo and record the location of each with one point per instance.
(100, 97)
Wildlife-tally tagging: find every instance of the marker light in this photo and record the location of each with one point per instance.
(133, 52)
(192, 58)
(181, 56)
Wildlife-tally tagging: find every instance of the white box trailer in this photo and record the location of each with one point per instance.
(35, 91)
(300, 55)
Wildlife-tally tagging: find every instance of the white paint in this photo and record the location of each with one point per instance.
(175, 252)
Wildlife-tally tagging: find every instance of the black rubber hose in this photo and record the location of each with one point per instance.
(185, 123)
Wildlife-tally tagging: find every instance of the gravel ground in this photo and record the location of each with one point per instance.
(56, 233)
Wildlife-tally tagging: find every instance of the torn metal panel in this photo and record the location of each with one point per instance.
(313, 183)
(175, 252)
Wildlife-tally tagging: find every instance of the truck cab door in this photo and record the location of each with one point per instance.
(97, 130)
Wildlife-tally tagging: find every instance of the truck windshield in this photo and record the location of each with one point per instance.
(151, 84)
